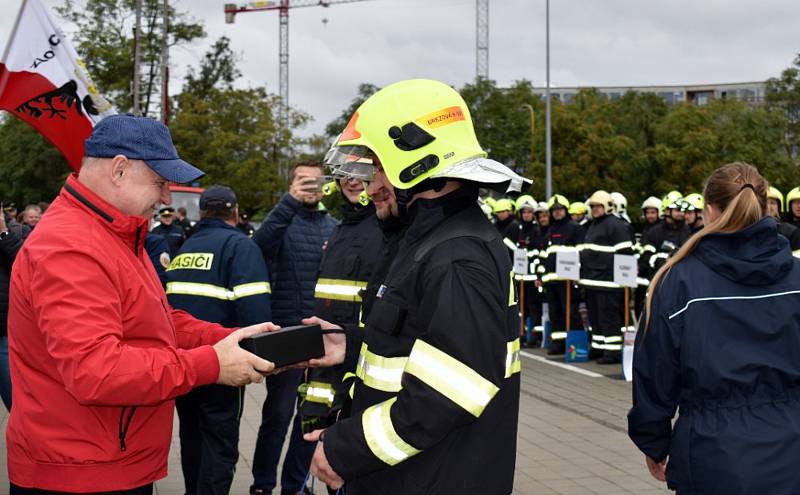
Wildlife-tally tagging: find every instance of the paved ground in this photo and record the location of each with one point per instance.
(571, 435)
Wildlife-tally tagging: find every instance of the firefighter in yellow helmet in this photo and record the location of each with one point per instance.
(438, 372)
(562, 235)
(577, 211)
(692, 206)
(793, 207)
(774, 208)
(506, 223)
(606, 236)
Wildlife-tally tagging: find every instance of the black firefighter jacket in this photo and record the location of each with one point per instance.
(437, 395)
(562, 235)
(350, 256)
(722, 347)
(605, 237)
(659, 243)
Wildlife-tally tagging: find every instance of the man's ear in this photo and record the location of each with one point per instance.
(120, 166)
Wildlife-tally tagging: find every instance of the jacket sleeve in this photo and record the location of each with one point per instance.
(249, 283)
(269, 236)
(80, 317)
(455, 368)
(10, 245)
(656, 384)
(192, 332)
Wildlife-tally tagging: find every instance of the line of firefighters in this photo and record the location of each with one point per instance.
(597, 230)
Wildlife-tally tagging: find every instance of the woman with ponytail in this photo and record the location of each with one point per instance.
(720, 344)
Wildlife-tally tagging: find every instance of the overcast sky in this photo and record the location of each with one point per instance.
(593, 42)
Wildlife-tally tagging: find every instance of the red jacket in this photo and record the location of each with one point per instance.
(97, 354)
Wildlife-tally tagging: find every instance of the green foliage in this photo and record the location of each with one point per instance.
(32, 169)
(783, 93)
(104, 38)
(233, 134)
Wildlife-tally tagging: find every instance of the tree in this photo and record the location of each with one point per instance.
(783, 93)
(32, 169)
(104, 39)
(336, 126)
(233, 134)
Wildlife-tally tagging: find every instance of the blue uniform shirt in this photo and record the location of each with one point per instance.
(219, 275)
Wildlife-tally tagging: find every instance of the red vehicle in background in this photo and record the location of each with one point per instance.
(187, 197)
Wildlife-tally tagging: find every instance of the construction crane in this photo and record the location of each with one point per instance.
(282, 6)
(482, 39)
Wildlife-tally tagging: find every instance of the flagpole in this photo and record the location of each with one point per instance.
(13, 31)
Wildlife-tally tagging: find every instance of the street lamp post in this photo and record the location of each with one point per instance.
(548, 151)
(529, 108)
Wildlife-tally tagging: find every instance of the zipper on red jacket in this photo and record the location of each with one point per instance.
(123, 426)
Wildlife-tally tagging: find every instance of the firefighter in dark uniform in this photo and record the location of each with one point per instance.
(793, 207)
(350, 256)
(219, 275)
(436, 397)
(529, 238)
(172, 232)
(665, 237)
(787, 230)
(606, 236)
(563, 235)
(506, 223)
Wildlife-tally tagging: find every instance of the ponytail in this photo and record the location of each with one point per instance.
(740, 194)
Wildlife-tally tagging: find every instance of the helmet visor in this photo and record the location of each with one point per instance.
(351, 162)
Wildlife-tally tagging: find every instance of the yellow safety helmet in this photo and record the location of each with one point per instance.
(602, 198)
(671, 200)
(793, 195)
(557, 200)
(695, 202)
(418, 129)
(774, 193)
(504, 204)
(577, 208)
(525, 201)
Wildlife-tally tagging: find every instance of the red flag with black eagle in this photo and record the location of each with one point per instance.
(45, 83)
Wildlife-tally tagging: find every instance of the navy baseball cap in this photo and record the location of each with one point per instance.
(217, 198)
(140, 138)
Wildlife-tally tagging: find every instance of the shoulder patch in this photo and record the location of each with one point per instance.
(192, 261)
(164, 259)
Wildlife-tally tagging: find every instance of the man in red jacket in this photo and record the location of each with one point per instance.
(97, 353)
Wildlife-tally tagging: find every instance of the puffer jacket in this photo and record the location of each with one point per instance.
(722, 346)
(291, 239)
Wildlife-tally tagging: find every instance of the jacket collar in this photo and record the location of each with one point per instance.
(130, 229)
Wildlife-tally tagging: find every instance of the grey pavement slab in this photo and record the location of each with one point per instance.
(571, 435)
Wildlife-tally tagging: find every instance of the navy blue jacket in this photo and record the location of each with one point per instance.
(173, 233)
(291, 238)
(158, 250)
(219, 276)
(723, 345)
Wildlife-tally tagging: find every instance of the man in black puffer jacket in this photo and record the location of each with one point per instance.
(11, 236)
(292, 239)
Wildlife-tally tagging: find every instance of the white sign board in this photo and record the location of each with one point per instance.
(520, 261)
(625, 270)
(627, 355)
(568, 265)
